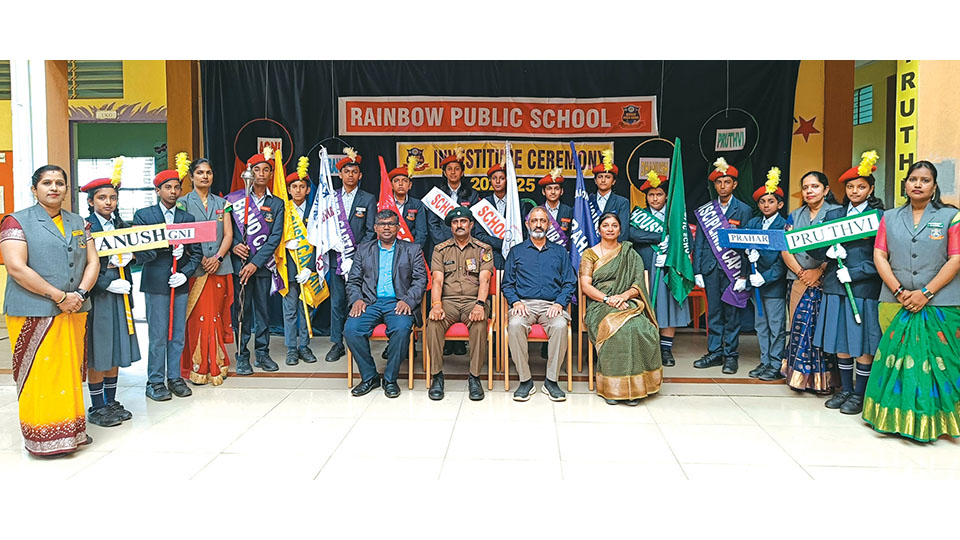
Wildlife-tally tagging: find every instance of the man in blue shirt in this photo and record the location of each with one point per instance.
(386, 285)
(538, 282)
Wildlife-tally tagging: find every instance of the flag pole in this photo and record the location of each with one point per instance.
(756, 292)
(303, 298)
(853, 304)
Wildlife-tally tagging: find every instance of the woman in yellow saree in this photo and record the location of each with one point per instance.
(619, 320)
(46, 306)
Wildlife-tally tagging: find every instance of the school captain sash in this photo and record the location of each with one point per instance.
(555, 233)
(711, 220)
(644, 220)
(344, 258)
(257, 228)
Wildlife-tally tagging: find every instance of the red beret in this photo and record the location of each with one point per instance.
(599, 168)
(258, 158)
(853, 172)
(451, 159)
(495, 168)
(399, 171)
(165, 176)
(548, 179)
(98, 183)
(663, 184)
(347, 161)
(731, 172)
(293, 177)
(763, 191)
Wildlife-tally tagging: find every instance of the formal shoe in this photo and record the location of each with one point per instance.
(667, 357)
(118, 409)
(459, 348)
(391, 389)
(553, 391)
(366, 386)
(103, 417)
(837, 400)
(384, 353)
(179, 388)
(611, 401)
(543, 350)
(730, 365)
(523, 392)
(293, 357)
(709, 360)
(266, 363)
(335, 353)
(448, 348)
(853, 405)
(158, 392)
(243, 367)
(755, 372)
(633, 402)
(475, 387)
(436, 387)
(306, 355)
(771, 374)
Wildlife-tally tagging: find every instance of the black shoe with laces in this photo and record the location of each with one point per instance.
(771, 373)
(306, 355)
(293, 357)
(436, 387)
(366, 386)
(709, 360)
(475, 387)
(335, 353)
(755, 372)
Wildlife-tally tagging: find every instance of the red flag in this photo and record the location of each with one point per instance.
(236, 183)
(388, 202)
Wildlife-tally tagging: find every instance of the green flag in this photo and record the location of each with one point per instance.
(678, 267)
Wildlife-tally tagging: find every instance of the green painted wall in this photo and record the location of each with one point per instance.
(107, 140)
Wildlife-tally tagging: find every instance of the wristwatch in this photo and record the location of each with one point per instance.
(481, 303)
(219, 258)
(605, 298)
(927, 293)
(83, 293)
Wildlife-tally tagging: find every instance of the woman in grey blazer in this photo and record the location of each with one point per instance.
(914, 386)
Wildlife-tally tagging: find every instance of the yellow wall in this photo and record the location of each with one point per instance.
(6, 125)
(806, 155)
(873, 136)
(143, 81)
(938, 132)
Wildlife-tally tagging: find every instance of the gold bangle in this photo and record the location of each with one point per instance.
(436, 304)
(62, 298)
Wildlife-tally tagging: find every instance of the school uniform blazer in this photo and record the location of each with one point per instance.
(361, 221)
(643, 242)
(482, 235)
(865, 282)
(565, 219)
(738, 214)
(409, 275)
(107, 275)
(415, 214)
(157, 263)
(264, 252)
(770, 265)
(620, 206)
(439, 231)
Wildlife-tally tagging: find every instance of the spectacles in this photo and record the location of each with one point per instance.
(388, 223)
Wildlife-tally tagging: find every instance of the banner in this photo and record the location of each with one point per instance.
(770, 240)
(487, 216)
(438, 202)
(159, 236)
(834, 232)
(906, 121)
(509, 116)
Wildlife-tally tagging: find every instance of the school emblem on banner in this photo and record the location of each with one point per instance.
(417, 153)
(630, 116)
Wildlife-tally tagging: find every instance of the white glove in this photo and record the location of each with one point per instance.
(740, 285)
(756, 280)
(292, 244)
(176, 280)
(698, 280)
(753, 255)
(178, 251)
(303, 276)
(119, 286)
(664, 245)
(118, 262)
(836, 251)
(843, 275)
(347, 264)
(660, 260)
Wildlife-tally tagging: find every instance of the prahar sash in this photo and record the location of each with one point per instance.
(644, 220)
(711, 219)
(349, 242)
(555, 234)
(257, 228)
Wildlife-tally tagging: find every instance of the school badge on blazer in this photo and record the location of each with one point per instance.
(81, 239)
(361, 212)
(565, 223)
(936, 230)
(411, 214)
(219, 215)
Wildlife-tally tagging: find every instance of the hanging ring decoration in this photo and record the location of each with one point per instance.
(630, 158)
(236, 139)
(714, 115)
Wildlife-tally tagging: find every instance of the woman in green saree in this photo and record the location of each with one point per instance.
(619, 320)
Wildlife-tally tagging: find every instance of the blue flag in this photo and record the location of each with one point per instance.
(583, 233)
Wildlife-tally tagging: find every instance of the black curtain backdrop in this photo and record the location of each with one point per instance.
(302, 96)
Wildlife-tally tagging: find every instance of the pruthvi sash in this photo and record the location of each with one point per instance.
(711, 220)
(349, 242)
(257, 228)
(555, 233)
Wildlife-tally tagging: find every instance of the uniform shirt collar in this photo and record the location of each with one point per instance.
(857, 209)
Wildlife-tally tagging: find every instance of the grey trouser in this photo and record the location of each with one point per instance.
(556, 329)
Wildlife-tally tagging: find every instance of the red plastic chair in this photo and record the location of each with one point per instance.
(380, 334)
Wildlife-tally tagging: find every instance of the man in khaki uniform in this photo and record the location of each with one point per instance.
(461, 268)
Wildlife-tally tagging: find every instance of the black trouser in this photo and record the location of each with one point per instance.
(255, 314)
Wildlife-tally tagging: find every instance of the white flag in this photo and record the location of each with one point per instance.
(514, 232)
(323, 230)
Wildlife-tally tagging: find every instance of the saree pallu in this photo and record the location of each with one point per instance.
(49, 362)
(914, 386)
(204, 359)
(629, 365)
(806, 367)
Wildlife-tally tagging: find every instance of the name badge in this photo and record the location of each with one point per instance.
(935, 224)
(265, 208)
(734, 222)
(77, 233)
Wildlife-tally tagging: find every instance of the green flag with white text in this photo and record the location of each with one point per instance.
(678, 267)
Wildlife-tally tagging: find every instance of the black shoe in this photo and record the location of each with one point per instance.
(611, 401)
(118, 409)
(522, 393)
(755, 372)
(366, 386)
(103, 417)
(179, 388)
(633, 402)
(475, 387)
(709, 360)
(87, 442)
(293, 357)
(730, 365)
(448, 348)
(854, 405)
(837, 400)
(158, 392)
(553, 391)
(543, 350)
(771, 374)
(243, 366)
(460, 348)
(306, 355)
(391, 389)
(436, 387)
(667, 357)
(266, 363)
(335, 353)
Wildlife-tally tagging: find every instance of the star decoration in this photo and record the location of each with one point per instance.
(806, 128)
